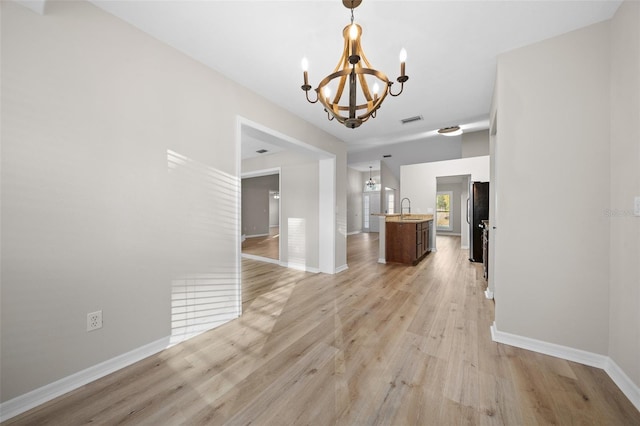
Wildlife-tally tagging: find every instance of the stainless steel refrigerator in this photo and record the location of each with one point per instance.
(477, 211)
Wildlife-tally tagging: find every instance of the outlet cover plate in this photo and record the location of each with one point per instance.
(94, 320)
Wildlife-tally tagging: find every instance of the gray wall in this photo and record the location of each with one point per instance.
(624, 239)
(582, 286)
(389, 180)
(119, 179)
(552, 241)
(475, 144)
(355, 185)
(299, 198)
(255, 203)
(427, 150)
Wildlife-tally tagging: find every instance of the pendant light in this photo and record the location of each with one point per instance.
(371, 184)
(352, 77)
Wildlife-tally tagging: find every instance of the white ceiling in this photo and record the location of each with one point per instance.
(253, 141)
(364, 167)
(452, 48)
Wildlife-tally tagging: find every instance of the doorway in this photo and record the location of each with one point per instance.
(260, 222)
(306, 194)
(451, 207)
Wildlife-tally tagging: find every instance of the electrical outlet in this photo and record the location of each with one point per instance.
(94, 320)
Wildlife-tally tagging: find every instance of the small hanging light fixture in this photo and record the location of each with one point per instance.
(371, 184)
(350, 67)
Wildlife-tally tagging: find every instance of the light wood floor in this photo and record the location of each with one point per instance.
(374, 345)
(267, 246)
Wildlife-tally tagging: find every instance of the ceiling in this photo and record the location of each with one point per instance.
(364, 166)
(452, 49)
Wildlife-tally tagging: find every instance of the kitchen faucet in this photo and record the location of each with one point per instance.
(402, 207)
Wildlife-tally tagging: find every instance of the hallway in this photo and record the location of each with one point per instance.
(375, 344)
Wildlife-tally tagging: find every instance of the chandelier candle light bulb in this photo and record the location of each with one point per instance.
(352, 74)
(403, 60)
(305, 69)
(327, 93)
(353, 35)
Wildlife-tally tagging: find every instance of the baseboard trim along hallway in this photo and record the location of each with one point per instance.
(591, 359)
(46, 393)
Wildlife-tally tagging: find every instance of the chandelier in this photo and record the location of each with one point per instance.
(371, 184)
(354, 68)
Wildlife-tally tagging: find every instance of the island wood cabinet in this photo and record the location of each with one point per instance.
(406, 242)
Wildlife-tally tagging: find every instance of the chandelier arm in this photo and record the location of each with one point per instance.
(329, 116)
(306, 93)
(371, 111)
(395, 94)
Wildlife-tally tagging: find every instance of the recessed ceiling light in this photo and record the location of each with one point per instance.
(261, 151)
(450, 131)
(387, 156)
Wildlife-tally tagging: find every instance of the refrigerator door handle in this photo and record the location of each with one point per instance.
(468, 208)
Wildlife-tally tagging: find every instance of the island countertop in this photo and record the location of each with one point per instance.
(409, 218)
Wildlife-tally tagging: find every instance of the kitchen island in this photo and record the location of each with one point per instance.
(405, 238)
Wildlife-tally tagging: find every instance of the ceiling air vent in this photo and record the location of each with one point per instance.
(387, 156)
(261, 151)
(411, 119)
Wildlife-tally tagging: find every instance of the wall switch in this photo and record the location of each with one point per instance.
(636, 206)
(94, 320)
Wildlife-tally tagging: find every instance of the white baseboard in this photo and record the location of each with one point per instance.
(630, 389)
(559, 351)
(256, 235)
(488, 294)
(302, 267)
(382, 260)
(29, 400)
(626, 385)
(262, 259)
(354, 232)
(292, 265)
(341, 268)
(464, 247)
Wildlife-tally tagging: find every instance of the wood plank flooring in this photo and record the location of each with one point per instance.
(267, 246)
(374, 345)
